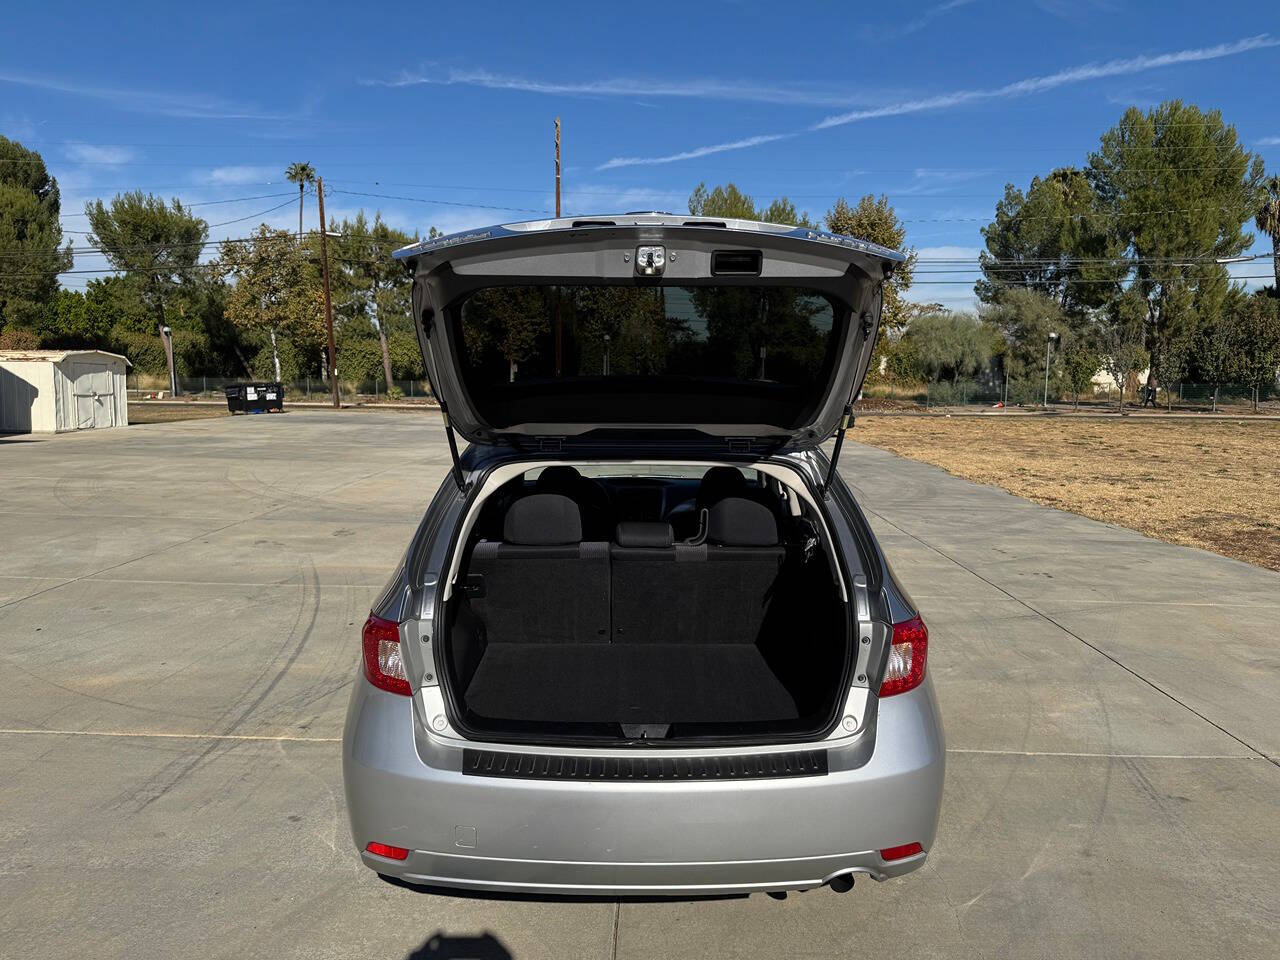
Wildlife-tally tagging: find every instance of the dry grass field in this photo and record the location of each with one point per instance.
(1209, 484)
(143, 412)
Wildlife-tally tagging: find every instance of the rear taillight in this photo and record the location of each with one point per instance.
(902, 852)
(906, 657)
(388, 851)
(383, 664)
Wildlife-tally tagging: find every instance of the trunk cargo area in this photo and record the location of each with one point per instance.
(629, 683)
(740, 630)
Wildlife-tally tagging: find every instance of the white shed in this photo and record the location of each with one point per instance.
(53, 391)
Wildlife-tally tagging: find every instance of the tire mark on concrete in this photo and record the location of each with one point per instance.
(167, 779)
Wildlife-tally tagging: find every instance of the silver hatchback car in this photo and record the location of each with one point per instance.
(644, 641)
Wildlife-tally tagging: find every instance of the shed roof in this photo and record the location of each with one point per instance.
(56, 356)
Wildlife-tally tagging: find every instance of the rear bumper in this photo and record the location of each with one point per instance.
(639, 839)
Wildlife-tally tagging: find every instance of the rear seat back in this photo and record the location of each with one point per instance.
(655, 595)
(717, 592)
(541, 583)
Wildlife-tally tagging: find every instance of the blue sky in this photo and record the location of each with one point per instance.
(445, 110)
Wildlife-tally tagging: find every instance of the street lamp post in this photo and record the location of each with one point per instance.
(1048, 347)
(166, 337)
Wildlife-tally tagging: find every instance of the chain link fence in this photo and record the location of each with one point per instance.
(143, 386)
(1031, 394)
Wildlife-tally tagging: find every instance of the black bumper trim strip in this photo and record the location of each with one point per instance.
(536, 766)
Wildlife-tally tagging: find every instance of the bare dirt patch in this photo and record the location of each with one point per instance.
(1209, 484)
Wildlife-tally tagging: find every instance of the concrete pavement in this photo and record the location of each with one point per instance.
(180, 605)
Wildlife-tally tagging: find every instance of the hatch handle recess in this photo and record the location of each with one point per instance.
(453, 447)
(845, 420)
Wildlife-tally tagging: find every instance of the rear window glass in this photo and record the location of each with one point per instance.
(614, 354)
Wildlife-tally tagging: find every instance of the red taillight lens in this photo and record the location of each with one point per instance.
(388, 851)
(383, 664)
(902, 852)
(906, 657)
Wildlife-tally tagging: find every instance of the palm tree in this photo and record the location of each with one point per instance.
(1268, 221)
(301, 174)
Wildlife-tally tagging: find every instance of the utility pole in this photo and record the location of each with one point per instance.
(328, 302)
(559, 321)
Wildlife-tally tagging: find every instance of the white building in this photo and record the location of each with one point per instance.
(53, 391)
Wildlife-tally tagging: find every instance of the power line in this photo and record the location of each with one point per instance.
(205, 203)
(447, 203)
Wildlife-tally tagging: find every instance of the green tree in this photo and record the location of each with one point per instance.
(1024, 317)
(873, 219)
(370, 282)
(782, 210)
(1078, 361)
(729, 202)
(1177, 188)
(1267, 220)
(1054, 240)
(31, 252)
(71, 319)
(1258, 342)
(155, 245)
(275, 294)
(1217, 350)
(301, 174)
(1123, 353)
(948, 345)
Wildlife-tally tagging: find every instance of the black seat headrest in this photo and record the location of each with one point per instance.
(561, 477)
(543, 520)
(718, 483)
(735, 522)
(639, 533)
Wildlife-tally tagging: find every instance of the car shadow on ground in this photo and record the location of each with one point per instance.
(443, 946)
(462, 894)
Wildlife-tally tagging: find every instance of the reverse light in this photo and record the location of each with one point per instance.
(388, 851)
(902, 852)
(907, 655)
(383, 663)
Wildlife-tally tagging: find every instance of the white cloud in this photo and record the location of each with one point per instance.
(108, 155)
(695, 152)
(917, 24)
(1072, 75)
(705, 88)
(930, 181)
(159, 102)
(957, 98)
(1269, 142)
(240, 175)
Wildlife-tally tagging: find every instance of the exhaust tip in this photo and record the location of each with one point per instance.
(841, 883)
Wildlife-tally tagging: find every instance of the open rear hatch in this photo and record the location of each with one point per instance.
(648, 336)
(649, 331)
